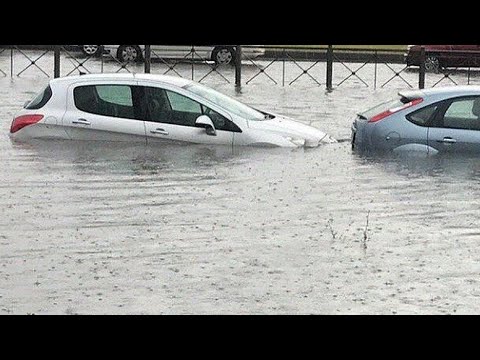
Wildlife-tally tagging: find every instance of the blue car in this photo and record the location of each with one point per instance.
(433, 121)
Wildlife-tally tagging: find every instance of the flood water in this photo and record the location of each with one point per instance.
(102, 228)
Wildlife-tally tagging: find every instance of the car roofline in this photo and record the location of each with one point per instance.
(411, 95)
(450, 91)
(165, 79)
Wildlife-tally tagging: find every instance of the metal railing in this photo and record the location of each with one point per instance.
(326, 66)
(165, 63)
(3, 73)
(368, 68)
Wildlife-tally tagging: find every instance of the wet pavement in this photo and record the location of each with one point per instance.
(98, 228)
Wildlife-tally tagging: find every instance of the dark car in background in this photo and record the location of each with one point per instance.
(438, 57)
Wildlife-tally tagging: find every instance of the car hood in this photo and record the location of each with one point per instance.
(295, 130)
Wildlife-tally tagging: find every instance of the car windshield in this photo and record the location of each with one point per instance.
(227, 103)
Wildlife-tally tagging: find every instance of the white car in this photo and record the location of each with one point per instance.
(220, 54)
(149, 108)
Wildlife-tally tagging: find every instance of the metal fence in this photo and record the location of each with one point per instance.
(326, 66)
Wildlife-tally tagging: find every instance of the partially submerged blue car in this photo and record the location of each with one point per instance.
(443, 120)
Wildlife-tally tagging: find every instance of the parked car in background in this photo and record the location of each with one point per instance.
(153, 109)
(220, 54)
(444, 56)
(442, 120)
(91, 50)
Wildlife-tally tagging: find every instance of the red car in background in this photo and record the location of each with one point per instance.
(444, 56)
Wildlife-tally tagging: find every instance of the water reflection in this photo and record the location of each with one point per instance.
(110, 157)
(446, 166)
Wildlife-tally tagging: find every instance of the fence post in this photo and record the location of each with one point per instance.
(421, 76)
(148, 59)
(330, 68)
(193, 62)
(11, 62)
(238, 66)
(56, 62)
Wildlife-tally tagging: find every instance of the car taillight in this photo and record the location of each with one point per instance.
(387, 113)
(24, 120)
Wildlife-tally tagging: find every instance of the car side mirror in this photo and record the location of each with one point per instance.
(206, 123)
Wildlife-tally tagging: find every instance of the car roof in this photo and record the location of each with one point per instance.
(446, 91)
(171, 80)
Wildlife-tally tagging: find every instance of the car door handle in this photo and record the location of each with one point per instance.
(159, 132)
(81, 122)
(448, 140)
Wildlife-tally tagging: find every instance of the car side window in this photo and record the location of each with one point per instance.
(105, 100)
(169, 107)
(183, 104)
(118, 95)
(157, 105)
(423, 116)
(463, 114)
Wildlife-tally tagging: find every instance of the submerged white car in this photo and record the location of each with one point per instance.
(153, 108)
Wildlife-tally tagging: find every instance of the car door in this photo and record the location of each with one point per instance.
(203, 53)
(457, 128)
(463, 55)
(476, 56)
(104, 111)
(171, 51)
(181, 52)
(171, 116)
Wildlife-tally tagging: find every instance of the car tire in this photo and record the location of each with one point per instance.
(223, 55)
(129, 53)
(90, 50)
(432, 64)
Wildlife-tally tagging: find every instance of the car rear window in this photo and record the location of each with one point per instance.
(40, 100)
